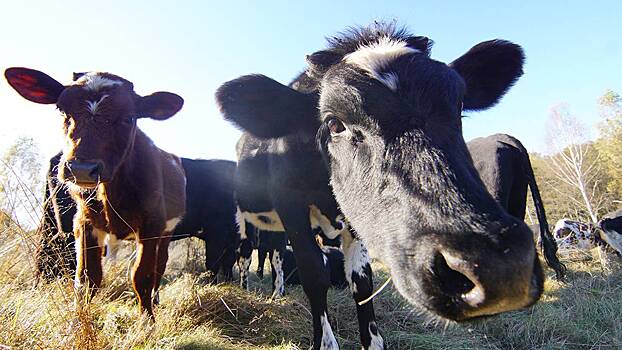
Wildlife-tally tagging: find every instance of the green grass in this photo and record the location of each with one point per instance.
(583, 313)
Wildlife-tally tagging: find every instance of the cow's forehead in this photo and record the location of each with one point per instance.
(98, 81)
(376, 57)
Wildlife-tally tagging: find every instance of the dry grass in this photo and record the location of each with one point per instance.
(584, 313)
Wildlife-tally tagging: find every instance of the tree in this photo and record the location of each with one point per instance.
(576, 163)
(21, 181)
(609, 144)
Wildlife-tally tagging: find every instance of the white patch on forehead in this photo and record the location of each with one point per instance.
(92, 105)
(373, 58)
(94, 81)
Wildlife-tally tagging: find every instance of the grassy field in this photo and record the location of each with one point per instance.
(583, 313)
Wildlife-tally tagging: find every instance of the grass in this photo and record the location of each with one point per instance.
(583, 313)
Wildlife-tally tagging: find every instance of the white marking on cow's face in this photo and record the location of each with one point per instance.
(277, 266)
(172, 223)
(320, 220)
(356, 258)
(267, 220)
(92, 105)
(375, 57)
(614, 239)
(377, 343)
(328, 338)
(93, 81)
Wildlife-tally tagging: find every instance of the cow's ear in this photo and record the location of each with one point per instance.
(489, 69)
(159, 105)
(34, 85)
(320, 61)
(265, 107)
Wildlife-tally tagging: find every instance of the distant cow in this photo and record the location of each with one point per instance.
(210, 216)
(124, 185)
(56, 254)
(572, 234)
(387, 120)
(504, 166)
(210, 213)
(611, 226)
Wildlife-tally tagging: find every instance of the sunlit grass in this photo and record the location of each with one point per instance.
(585, 312)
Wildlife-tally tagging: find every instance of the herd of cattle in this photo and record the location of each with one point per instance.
(364, 148)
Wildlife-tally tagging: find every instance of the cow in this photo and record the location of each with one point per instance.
(55, 254)
(210, 216)
(503, 164)
(210, 213)
(611, 226)
(387, 121)
(572, 234)
(123, 184)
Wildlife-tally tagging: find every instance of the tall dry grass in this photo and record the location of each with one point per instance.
(583, 313)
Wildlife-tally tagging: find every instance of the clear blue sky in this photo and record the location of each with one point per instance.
(574, 53)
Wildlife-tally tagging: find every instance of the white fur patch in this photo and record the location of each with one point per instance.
(267, 220)
(375, 57)
(328, 338)
(320, 220)
(377, 343)
(92, 105)
(244, 264)
(239, 218)
(93, 81)
(356, 258)
(172, 223)
(277, 266)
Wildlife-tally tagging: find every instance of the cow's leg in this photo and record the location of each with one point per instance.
(144, 273)
(262, 252)
(359, 276)
(312, 269)
(89, 260)
(228, 261)
(161, 267)
(215, 249)
(276, 260)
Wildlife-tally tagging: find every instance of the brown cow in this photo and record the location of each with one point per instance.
(123, 184)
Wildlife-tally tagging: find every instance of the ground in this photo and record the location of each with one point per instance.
(583, 313)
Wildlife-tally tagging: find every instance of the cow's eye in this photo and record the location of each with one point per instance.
(128, 120)
(335, 125)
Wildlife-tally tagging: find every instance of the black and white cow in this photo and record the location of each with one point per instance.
(611, 226)
(56, 254)
(387, 119)
(210, 216)
(572, 234)
(282, 186)
(503, 165)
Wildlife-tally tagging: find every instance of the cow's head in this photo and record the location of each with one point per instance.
(391, 135)
(611, 226)
(99, 113)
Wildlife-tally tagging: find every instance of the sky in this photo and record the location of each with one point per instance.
(573, 50)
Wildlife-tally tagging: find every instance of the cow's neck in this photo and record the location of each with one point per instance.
(121, 195)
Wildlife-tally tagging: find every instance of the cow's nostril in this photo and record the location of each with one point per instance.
(456, 279)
